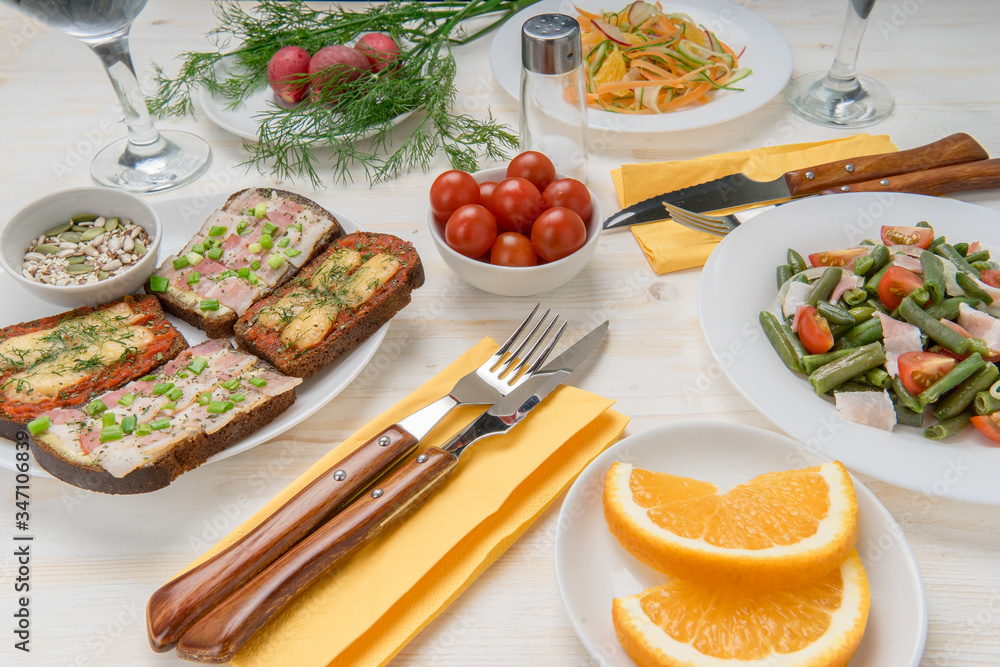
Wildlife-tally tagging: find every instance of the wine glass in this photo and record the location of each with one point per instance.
(148, 160)
(842, 97)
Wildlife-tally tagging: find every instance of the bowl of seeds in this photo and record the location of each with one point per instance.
(82, 247)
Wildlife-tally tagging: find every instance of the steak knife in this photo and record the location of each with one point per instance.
(739, 189)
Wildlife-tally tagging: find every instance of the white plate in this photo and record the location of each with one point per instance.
(242, 119)
(592, 568)
(767, 54)
(182, 217)
(738, 282)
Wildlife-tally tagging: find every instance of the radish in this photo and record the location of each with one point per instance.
(379, 49)
(639, 12)
(286, 72)
(338, 65)
(611, 32)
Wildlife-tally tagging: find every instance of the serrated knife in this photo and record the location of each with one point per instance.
(222, 632)
(740, 190)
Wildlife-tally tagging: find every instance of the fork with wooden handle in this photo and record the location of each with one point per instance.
(178, 604)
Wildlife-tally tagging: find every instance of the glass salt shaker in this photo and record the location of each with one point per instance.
(553, 92)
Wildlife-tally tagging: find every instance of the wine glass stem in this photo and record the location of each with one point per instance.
(843, 75)
(114, 53)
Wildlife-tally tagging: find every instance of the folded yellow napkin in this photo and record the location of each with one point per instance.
(672, 247)
(365, 612)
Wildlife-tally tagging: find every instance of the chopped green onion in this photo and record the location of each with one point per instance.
(236, 398)
(243, 272)
(260, 210)
(217, 230)
(257, 382)
(194, 258)
(219, 407)
(292, 252)
(95, 407)
(255, 264)
(158, 283)
(214, 253)
(253, 280)
(112, 433)
(128, 424)
(266, 242)
(169, 405)
(297, 226)
(194, 278)
(254, 247)
(209, 304)
(199, 248)
(108, 419)
(147, 378)
(240, 226)
(275, 261)
(269, 228)
(205, 398)
(174, 394)
(126, 400)
(181, 374)
(161, 423)
(228, 273)
(283, 243)
(231, 385)
(180, 262)
(143, 429)
(197, 365)
(162, 387)
(39, 425)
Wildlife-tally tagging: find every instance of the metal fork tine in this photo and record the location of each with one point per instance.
(516, 353)
(517, 332)
(698, 221)
(524, 359)
(545, 353)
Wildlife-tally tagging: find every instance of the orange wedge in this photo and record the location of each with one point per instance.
(778, 529)
(683, 623)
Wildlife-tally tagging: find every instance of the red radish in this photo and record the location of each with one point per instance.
(611, 32)
(640, 11)
(339, 66)
(379, 49)
(286, 72)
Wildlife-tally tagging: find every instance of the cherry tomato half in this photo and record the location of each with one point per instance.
(513, 249)
(516, 203)
(452, 190)
(486, 189)
(471, 230)
(991, 277)
(896, 283)
(557, 233)
(988, 425)
(918, 236)
(534, 167)
(835, 257)
(570, 193)
(814, 331)
(919, 370)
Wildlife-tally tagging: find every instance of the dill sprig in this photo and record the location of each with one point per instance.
(348, 124)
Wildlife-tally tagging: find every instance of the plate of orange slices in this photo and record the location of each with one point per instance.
(719, 544)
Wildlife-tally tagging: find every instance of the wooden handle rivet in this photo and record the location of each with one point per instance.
(422, 458)
(340, 475)
(810, 175)
(849, 168)
(845, 188)
(377, 493)
(884, 181)
(384, 441)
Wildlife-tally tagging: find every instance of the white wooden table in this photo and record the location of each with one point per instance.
(97, 558)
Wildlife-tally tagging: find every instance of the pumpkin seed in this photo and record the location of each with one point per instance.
(79, 268)
(84, 217)
(58, 229)
(70, 237)
(103, 274)
(139, 250)
(79, 228)
(77, 259)
(91, 233)
(48, 249)
(111, 224)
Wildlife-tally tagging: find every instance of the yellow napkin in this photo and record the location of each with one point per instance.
(365, 612)
(672, 247)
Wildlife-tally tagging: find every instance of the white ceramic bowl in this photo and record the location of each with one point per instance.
(31, 221)
(517, 280)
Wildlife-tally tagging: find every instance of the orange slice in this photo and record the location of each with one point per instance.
(778, 529)
(683, 623)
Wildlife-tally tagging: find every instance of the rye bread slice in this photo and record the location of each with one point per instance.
(219, 324)
(352, 327)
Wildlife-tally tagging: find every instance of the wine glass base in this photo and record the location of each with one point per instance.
(866, 103)
(177, 158)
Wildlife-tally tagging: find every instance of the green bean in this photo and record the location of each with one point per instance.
(796, 261)
(934, 281)
(972, 288)
(904, 396)
(952, 379)
(980, 256)
(948, 309)
(948, 428)
(908, 417)
(872, 285)
(839, 330)
(939, 333)
(862, 334)
(811, 362)
(782, 274)
(959, 400)
(851, 386)
(862, 313)
(824, 286)
(772, 329)
(984, 266)
(880, 257)
(879, 378)
(924, 224)
(836, 373)
(797, 347)
(875, 304)
(985, 403)
(855, 297)
(948, 252)
(936, 242)
(962, 248)
(834, 314)
(863, 265)
(867, 242)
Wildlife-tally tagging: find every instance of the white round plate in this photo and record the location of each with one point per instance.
(182, 217)
(242, 120)
(738, 282)
(592, 568)
(767, 54)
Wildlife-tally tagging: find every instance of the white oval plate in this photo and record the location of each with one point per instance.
(182, 216)
(767, 54)
(738, 282)
(592, 568)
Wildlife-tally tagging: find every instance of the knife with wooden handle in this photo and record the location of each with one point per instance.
(980, 175)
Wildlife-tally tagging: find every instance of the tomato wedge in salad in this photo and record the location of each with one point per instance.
(919, 370)
(836, 257)
(991, 277)
(915, 236)
(988, 425)
(814, 330)
(896, 284)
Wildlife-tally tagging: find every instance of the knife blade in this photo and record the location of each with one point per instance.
(217, 636)
(739, 189)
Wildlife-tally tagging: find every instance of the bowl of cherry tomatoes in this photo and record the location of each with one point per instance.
(517, 230)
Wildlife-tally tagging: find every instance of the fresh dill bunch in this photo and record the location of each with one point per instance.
(348, 123)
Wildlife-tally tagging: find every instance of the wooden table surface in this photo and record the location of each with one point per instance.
(97, 558)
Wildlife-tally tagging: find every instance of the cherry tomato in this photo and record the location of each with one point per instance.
(471, 230)
(558, 232)
(896, 283)
(836, 257)
(988, 425)
(991, 277)
(814, 331)
(918, 236)
(452, 190)
(533, 166)
(486, 189)
(513, 249)
(516, 203)
(919, 370)
(570, 193)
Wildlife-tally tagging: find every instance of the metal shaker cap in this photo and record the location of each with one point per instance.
(550, 44)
